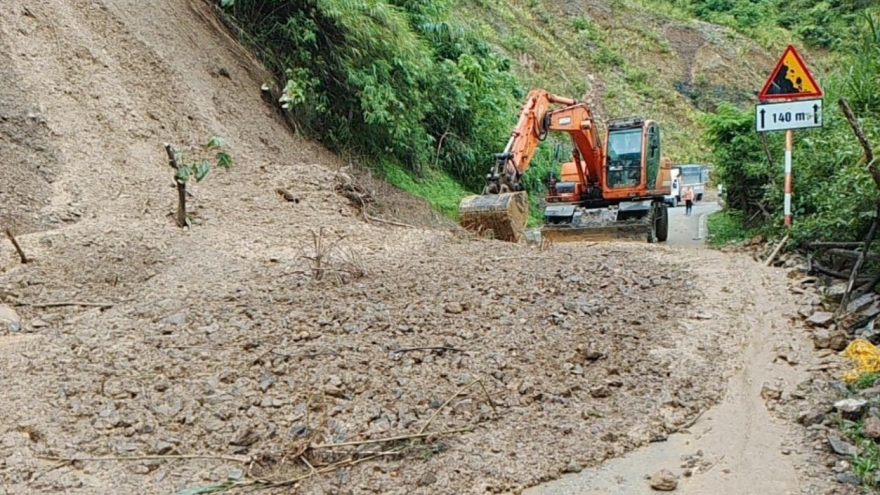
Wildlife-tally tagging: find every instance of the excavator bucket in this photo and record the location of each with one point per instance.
(630, 223)
(505, 215)
(598, 233)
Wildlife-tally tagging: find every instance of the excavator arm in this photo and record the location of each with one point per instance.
(503, 206)
(588, 156)
(536, 119)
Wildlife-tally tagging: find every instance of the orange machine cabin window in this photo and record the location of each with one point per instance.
(624, 158)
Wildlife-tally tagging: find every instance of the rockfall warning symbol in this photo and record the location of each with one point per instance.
(790, 79)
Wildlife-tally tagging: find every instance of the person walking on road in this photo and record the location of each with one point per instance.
(688, 197)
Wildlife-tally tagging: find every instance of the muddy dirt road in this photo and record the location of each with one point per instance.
(738, 446)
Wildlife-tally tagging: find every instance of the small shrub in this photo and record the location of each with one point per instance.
(194, 163)
(726, 227)
(605, 56)
(580, 23)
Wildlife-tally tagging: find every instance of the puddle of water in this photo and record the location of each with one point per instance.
(624, 475)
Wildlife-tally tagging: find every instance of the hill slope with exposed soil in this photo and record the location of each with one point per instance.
(629, 57)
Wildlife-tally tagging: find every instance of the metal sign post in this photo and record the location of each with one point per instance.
(788, 140)
(790, 81)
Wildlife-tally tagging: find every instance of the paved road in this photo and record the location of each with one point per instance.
(689, 231)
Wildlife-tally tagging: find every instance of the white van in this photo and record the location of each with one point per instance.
(674, 197)
(682, 176)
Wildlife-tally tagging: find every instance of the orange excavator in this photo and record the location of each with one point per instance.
(611, 189)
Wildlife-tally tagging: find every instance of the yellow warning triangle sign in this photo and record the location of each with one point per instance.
(790, 79)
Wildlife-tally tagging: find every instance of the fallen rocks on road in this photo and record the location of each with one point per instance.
(835, 292)
(664, 481)
(820, 319)
(809, 418)
(770, 392)
(871, 428)
(600, 392)
(869, 333)
(860, 303)
(839, 340)
(243, 371)
(851, 408)
(573, 467)
(830, 339)
(842, 448)
(9, 319)
(849, 479)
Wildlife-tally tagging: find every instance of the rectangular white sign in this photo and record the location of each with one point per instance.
(803, 114)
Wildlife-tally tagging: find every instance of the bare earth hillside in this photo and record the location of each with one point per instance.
(139, 339)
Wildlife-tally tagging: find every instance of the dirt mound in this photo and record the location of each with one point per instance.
(220, 340)
(249, 355)
(30, 162)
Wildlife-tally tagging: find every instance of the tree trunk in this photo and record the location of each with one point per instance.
(863, 140)
(21, 254)
(875, 174)
(843, 245)
(776, 251)
(868, 287)
(854, 274)
(817, 267)
(181, 203)
(181, 187)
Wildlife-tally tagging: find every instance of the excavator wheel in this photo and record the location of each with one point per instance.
(663, 224)
(505, 215)
(659, 230)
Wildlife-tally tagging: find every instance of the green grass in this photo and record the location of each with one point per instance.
(563, 52)
(444, 193)
(866, 380)
(866, 463)
(560, 52)
(725, 226)
(440, 190)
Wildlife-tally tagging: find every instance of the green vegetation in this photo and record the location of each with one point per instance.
(834, 195)
(199, 167)
(427, 91)
(726, 226)
(866, 463)
(865, 380)
(393, 80)
(821, 24)
(194, 163)
(441, 191)
(403, 84)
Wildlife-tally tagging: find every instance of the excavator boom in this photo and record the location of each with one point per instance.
(503, 206)
(536, 119)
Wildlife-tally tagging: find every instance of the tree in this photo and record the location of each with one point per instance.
(196, 169)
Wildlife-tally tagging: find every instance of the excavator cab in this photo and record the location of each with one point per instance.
(624, 161)
(633, 157)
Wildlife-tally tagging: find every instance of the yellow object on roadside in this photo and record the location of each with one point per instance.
(866, 357)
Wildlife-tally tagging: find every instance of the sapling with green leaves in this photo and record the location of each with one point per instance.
(196, 168)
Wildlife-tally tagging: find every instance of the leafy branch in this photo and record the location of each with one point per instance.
(197, 168)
